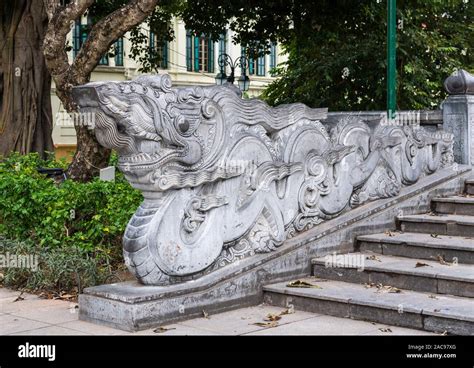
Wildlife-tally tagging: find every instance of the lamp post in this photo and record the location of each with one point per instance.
(391, 58)
(222, 78)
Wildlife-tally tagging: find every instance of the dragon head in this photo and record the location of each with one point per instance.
(147, 122)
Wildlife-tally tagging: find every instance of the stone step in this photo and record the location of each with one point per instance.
(470, 186)
(418, 245)
(413, 309)
(457, 205)
(456, 225)
(397, 272)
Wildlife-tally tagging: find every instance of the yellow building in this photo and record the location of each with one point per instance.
(188, 59)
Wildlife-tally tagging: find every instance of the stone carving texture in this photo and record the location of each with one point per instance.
(224, 178)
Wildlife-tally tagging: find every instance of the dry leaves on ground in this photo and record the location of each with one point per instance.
(266, 324)
(442, 261)
(386, 329)
(373, 258)
(19, 298)
(272, 317)
(422, 264)
(162, 329)
(383, 288)
(302, 284)
(289, 310)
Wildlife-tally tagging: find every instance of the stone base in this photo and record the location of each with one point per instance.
(131, 306)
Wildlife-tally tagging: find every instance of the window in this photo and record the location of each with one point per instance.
(104, 60)
(223, 43)
(199, 53)
(261, 65)
(119, 52)
(80, 36)
(250, 60)
(256, 65)
(159, 51)
(273, 56)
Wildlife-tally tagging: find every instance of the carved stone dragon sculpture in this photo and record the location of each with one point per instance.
(225, 177)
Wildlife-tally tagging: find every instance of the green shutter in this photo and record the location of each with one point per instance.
(119, 52)
(77, 40)
(164, 61)
(196, 53)
(189, 52)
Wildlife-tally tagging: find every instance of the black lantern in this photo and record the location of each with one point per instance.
(222, 78)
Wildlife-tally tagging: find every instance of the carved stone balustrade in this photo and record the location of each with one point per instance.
(226, 178)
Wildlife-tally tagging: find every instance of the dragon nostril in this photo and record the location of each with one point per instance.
(184, 126)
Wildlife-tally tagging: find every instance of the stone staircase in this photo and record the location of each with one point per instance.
(419, 276)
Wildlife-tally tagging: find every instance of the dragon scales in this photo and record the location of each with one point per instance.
(225, 178)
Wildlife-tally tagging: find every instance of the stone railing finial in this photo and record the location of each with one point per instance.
(460, 82)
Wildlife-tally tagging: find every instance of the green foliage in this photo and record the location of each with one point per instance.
(81, 219)
(337, 48)
(55, 269)
(340, 62)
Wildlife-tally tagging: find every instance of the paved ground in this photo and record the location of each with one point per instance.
(36, 316)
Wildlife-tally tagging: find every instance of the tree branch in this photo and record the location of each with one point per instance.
(108, 30)
(56, 34)
(51, 6)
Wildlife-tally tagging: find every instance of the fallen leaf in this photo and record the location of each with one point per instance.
(389, 233)
(387, 289)
(272, 317)
(385, 329)
(205, 314)
(65, 297)
(434, 235)
(432, 296)
(266, 324)
(373, 258)
(289, 310)
(421, 264)
(163, 329)
(19, 298)
(436, 310)
(302, 284)
(442, 261)
(393, 289)
(444, 333)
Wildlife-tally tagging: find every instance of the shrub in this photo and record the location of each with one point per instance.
(55, 269)
(68, 223)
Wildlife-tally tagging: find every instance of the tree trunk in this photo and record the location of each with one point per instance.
(25, 83)
(90, 156)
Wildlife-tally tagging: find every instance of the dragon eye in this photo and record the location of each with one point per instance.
(184, 126)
